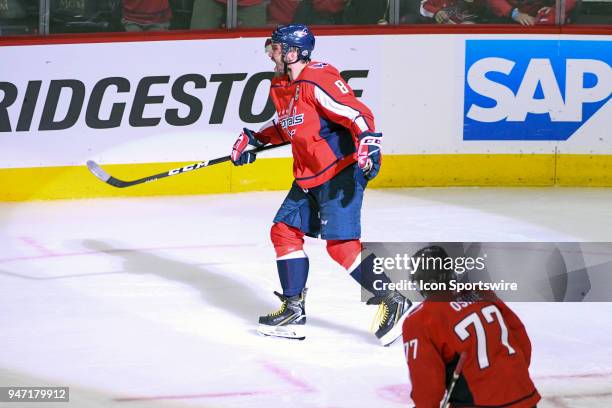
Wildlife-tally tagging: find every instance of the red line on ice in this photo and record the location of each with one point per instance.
(30, 241)
(280, 372)
(287, 376)
(193, 396)
(401, 392)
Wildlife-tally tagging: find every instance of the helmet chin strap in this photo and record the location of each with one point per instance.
(290, 63)
(285, 54)
(286, 70)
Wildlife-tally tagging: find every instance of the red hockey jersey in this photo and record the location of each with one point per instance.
(282, 11)
(498, 350)
(503, 8)
(147, 11)
(459, 11)
(319, 113)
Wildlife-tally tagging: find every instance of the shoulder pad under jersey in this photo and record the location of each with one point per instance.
(320, 73)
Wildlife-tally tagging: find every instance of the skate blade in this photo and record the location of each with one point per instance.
(293, 332)
(396, 331)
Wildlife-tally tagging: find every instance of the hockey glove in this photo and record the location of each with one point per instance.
(241, 156)
(368, 154)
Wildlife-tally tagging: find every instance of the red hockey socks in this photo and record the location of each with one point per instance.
(291, 261)
(348, 254)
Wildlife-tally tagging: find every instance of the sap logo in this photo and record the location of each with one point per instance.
(534, 90)
(539, 74)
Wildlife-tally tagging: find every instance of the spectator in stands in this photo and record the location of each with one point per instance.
(313, 12)
(366, 12)
(309, 12)
(10, 12)
(410, 12)
(281, 12)
(453, 11)
(529, 12)
(592, 12)
(12, 9)
(146, 15)
(212, 13)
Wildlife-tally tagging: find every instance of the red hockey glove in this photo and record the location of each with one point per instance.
(239, 156)
(368, 154)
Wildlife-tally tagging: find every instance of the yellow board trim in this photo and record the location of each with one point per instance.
(42, 183)
(584, 170)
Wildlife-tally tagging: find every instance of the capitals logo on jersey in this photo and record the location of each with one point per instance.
(318, 65)
(294, 119)
(534, 89)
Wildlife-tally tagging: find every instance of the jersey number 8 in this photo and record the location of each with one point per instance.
(341, 86)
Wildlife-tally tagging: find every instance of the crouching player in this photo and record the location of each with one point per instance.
(445, 325)
(336, 151)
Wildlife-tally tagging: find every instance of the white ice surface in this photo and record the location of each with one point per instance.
(153, 302)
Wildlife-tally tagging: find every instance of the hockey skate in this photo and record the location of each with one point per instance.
(392, 311)
(287, 322)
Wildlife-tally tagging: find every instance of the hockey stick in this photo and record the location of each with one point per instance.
(456, 374)
(99, 172)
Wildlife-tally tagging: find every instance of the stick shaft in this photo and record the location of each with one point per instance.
(97, 171)
(456, 374)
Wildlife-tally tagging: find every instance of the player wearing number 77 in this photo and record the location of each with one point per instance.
(445, 324)
(336, 151)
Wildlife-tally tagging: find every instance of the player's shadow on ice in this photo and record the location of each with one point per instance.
(216, 288)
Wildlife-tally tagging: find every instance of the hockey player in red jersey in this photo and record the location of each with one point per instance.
(447, 324)
(336, 151)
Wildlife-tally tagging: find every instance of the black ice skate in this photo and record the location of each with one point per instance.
(288, 321)
(392, 311)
